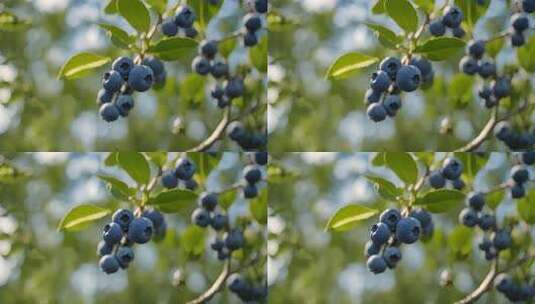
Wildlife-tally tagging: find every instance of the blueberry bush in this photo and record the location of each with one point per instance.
(198, 240)
(460, 67)
(189, 68)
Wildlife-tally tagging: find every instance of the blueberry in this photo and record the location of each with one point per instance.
(372, 97)
(376, 264)
(201, 65)
(112, 81)
(502, 239)
(476, 48)
(392, 256)
(191, 184)
(468, 65)
(519, 22)
(519, 174)
(261, 6)
(201, 217)
(491, 253)
(160, 232)
(437, 28)
(423, 65)
(185, 169)
(458, 184)
(155, 64)
(123, 65)
(408, 78)
(376, 112)
(185, 17)
(528, 6)
(252, 22)
(124, 256)
(491, 102)
(380, 233)
(208, 48)
(380, 81)
(517, 39)
(217, 92)
(108, 264)
(503, 130)
(112, 233)
(208, 201)
(104, 248)
(191, 32)
(468, 217)
(485, 92)
(371, 248)
(250, 191)
(487, 221)
(390, 217)
(234, 240)
(223, 254)
(390, 65)
(252, 174)
(236, 283)
(169, 180)
(392, 104)
(427, 231)
(124, 104)
(169, 28)
(234, 88)
(517, 191)
(528, 158)
(503, 282)
(485, 244)
(453, 17)
(109, 112)
(452, 168)
(476, 200)
(217, 245)
(422, 216)
(155, 216)
(436, 180)
(104, 96)
(250, 39)
(219, 69)
(260, 158)
(140, 78)
(123, 217)
(408, 230)
(487, 69)
(236, 131)
(140, 230)
(458, 32)
(219, 221)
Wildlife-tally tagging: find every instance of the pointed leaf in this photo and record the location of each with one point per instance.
(348, 217)
(385, 188)
(347, 64)
(135, 12)
(79, 64)
(80, 216)
(403, 165)
(171, 49)
(403, 14)
(136, 165)
(441, 200)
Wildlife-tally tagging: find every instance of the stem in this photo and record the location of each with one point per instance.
(216, 286)
(216, 134)
(482, 136)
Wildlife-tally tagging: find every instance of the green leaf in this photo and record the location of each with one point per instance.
(348, 217)
(118, 36)
(378, 159)
(259, 55)
(525, 55)
(135, 12)
(493, 199)
(205, 11)
(460, 242)
(192, 89)
(526, 207)
(157, 5)
(472, 163)
(460, 91)
(227, 199)
(494, 47)
(173, 201)
(80, 216)
(403, 13)
(441, 200)
(117, 187)
(136, 165)
(172, 49)
(226, 47)
(111, 7)
(426, 5)
(385, 188)
(192, 240)
(345, 65)
(111, 159)
(403, 165)
(379, 7)
(205, 163)
(79, 64)
(440, 48)
(387, 37)
(258, 207)
(158, 158)
(471, 10)
(10, 22)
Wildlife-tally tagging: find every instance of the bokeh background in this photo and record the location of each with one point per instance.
(38, 264)
(40, 113)
(309, 113)
(309, 265)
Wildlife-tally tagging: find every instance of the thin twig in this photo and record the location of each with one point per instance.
(482, 136)
(216, 286)
(216, 134)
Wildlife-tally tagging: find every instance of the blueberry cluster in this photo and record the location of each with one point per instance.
(452, 18)
(183, 20)
(383, 97)
(248, 141)
(252, 175)
(120, 235)
(505, 133)
(519, 176)
(394, 229)
(528, 6)
(513, 291)
(519, 24)
(115, 98)
(253, 23)
(451, 171)
(183, 172)
(244, 290)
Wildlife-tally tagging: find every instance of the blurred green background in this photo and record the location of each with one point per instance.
(309, 265)
(40, 113)
(309, 113)
(38, 264)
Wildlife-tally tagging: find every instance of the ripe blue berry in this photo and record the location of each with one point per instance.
(517, 39)
(236, 283)
(453, 17)
(458, 32)
(169, 28)
(487, 69)
(503, 282)
(476, 200)
(422, 64)
(437, 28)
(408, 78)
(123, 217)
(124, 256)
(458, 184)
(104, 96)
(185, 169)
(217, 245)
(380, 81)
(236, 131)
(376, 112)
(234, 88)
(503, 130)
(104, 248)
(234, 240)
(528, 6)
(201, 65)
(528, 158)
(124, 104)
(390, 65)
(191, 184)
(109, 112)
(250, 39)
(109, 264)
(185, 17)
(476, 48)
(112, 81)
(113, 233)
(468, 217)
(468, 65)
(371, 248)
(380, 233)
(140, 230)
(208, 201)
(201, 217)
(376, 264)
(169, 180)
(140, 78)
(261, 6)
(123, 65)
(155, 64)
(487, 221)
(519, 174)
(250, 191)
(517, 191)
(452, 168)
(252, 22)
(252, 174)
(390, 217)
(422, 216)
(219, 221)
(219, 69)
(519, 22)
(408, 230)
(208, 48)
(155, 216)
(437, 180)
(392, 104)
(502, 239)
(372, 96)
(191, 32)
(392, 256)
(261, 158)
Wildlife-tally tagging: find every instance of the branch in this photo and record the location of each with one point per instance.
(216, 286)
(216, 134)
(478, 140)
